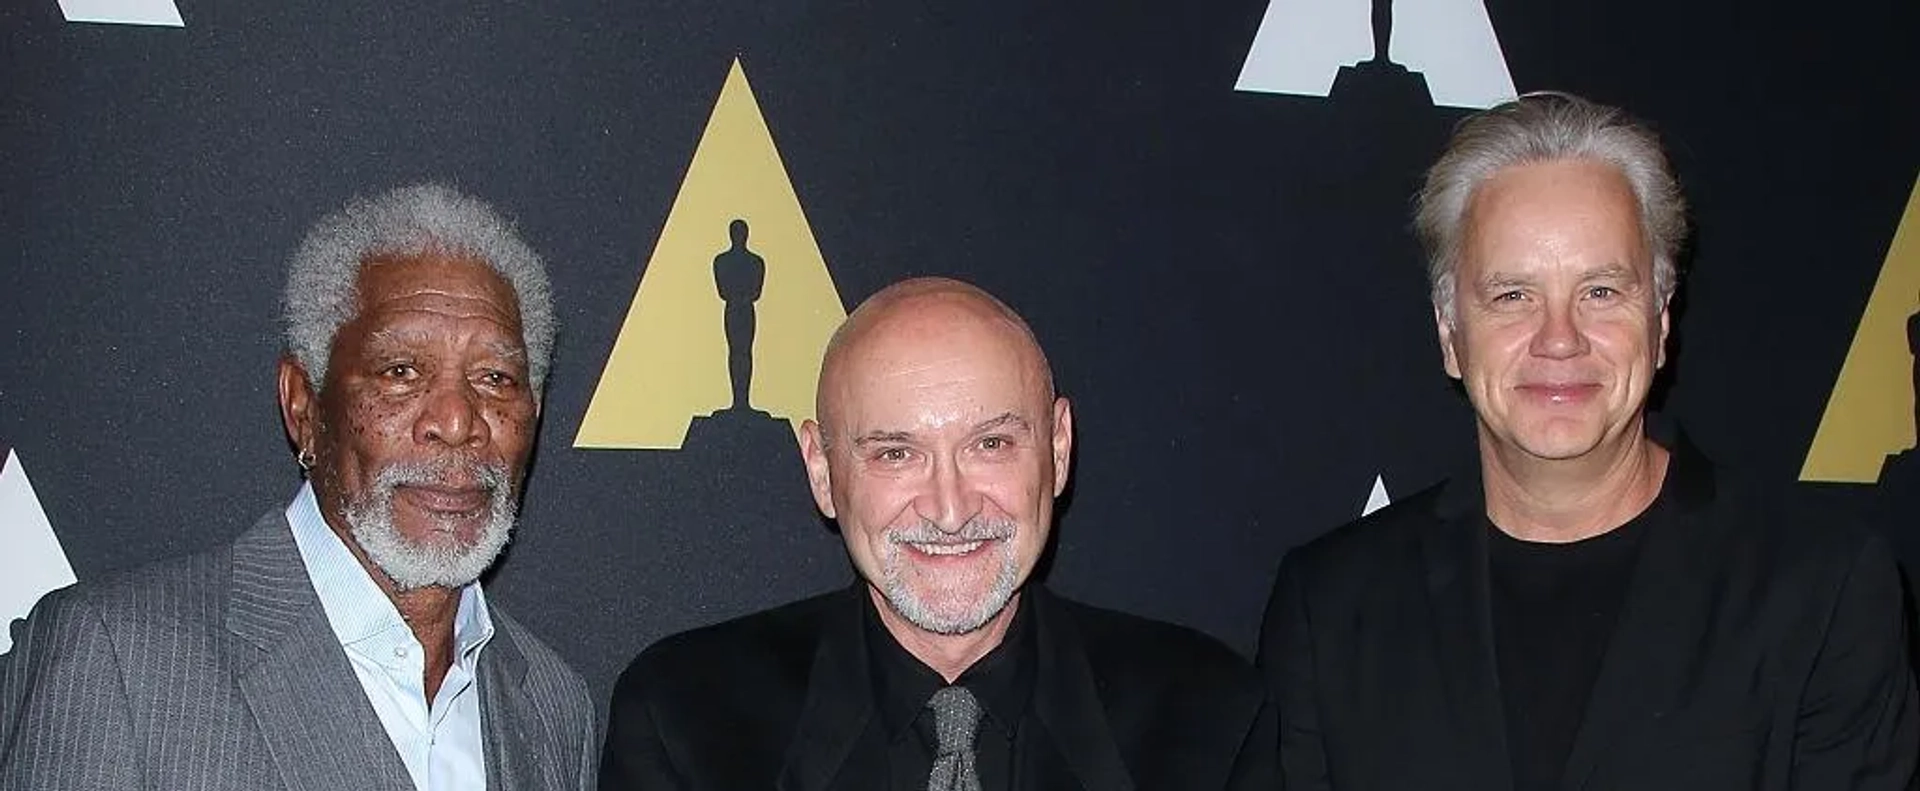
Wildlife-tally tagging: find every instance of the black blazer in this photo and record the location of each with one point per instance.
(1759, 647)
(778, 698)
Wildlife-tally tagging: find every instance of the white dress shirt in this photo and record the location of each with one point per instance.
(439, 742)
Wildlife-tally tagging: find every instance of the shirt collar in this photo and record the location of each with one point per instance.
(1002, 680)
(357, 610)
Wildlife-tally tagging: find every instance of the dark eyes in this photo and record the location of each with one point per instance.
(995, 443)
(1602, 292)
(408, 372)
(891, 455)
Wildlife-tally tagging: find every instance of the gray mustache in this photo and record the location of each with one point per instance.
(973, 530)
(446, 471)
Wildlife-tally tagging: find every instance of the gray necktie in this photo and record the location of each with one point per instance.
(956, 716)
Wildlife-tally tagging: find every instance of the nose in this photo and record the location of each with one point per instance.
(1559, 336)
(450, 415)
(948, 502)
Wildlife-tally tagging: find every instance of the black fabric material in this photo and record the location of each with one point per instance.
(1761, 644)
(1002, 681)
(1554, 607)
(785, 699)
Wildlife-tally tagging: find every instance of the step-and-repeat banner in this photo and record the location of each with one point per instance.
(1202, 208)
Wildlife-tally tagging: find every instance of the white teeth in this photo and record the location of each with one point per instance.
(949, 549)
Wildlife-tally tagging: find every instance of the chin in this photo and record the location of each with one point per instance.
(1560, 443)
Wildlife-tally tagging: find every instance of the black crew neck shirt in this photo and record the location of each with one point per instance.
(1554, 608)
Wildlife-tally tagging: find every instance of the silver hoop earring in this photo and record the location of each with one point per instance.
(305, 460)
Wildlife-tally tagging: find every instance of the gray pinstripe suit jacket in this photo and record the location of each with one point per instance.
(219, 671)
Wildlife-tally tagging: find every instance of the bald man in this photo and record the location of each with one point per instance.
(940, 448)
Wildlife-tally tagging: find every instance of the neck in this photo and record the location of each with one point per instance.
(429, 612)
(948, 654)
(1564, 500)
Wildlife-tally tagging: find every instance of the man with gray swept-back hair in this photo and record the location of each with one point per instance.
(1593, 604)
(343, 641)
(1549, 126)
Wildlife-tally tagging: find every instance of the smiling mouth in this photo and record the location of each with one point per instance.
(1561, 393)
(948, 549)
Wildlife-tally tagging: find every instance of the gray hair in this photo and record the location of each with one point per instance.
(406, 222)
(1542, 127)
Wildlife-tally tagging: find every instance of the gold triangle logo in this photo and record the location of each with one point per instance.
(1871, 412)
(736, 225)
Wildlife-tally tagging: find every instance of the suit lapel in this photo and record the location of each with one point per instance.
(1067, 702)
(318, 726)
(518, 743)
(1455, 555)
(1643, 669)
(838, 700)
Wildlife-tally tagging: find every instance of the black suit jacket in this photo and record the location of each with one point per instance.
(777, 700)
(1759, 647)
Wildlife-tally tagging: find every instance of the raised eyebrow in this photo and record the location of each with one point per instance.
(507, 350)
(1004, 419)
(396, 336)
(1613, 272)
(873, 437)
(1503, 280)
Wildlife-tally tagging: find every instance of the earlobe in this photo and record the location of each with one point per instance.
(1660, 359)
(1445, 331)
(296, 404)
(813, 452)
(1062, 444)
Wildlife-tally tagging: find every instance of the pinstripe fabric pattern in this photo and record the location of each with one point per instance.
(219, 672)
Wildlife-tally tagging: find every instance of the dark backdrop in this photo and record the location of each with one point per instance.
(1224, 280)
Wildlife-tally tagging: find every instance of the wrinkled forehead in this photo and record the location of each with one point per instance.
(1570, 207)
(438, 279)
(411, 300)
(913, 357)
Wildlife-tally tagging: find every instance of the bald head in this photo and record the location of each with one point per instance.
(939, 450)
(919, 316)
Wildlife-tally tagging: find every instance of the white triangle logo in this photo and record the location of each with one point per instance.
(1377, 499)
(123, 12)
(1303, 43)
(31, 561)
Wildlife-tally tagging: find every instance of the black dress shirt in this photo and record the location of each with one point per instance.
(1002, 682)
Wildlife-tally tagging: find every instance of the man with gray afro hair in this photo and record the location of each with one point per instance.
(344, 640)
(400, 223)
(1593, 604)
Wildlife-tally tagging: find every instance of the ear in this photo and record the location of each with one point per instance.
(813, 451)
(1062, 443)
(299, 408)
(1660, 358)
(1447, 357)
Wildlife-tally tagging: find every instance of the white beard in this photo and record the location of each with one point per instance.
(439, 560)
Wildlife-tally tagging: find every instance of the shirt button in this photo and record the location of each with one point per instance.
(400, 651)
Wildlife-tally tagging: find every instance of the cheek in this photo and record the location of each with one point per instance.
(365, 427)
(377, 420)
(1490, 352)
(1022, 498)
(876, 505)
(512, 430)
(1631, 343)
